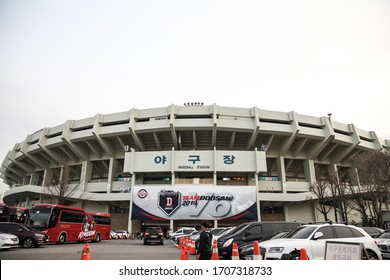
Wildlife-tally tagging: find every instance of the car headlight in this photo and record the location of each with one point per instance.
(246, 249)
(227, 242)
(39, 235)
(276, 249)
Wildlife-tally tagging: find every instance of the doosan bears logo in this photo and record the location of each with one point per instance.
(169, 201)
(87, 228)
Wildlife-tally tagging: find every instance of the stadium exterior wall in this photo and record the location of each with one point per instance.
(273, 152)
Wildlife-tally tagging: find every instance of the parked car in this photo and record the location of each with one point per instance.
(182, 231)
(154, 235)
(214, 231)
(122, 234)
(225, 231)
(245, 250)
(383, 241)
(28, 237)
(113, 234)
(373, 231)
(176, 237)
(250, 232)
(8, 240)
(313, 238)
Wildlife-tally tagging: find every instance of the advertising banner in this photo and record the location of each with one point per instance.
(183, 202)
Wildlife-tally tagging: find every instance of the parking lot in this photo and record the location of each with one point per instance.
(105, 250)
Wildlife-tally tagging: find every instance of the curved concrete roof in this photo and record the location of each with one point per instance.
(289, 134)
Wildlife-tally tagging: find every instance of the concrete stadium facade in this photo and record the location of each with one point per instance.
(189, 147)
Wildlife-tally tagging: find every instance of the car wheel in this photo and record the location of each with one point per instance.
(28, 242)
(372, 256)
(61, 238)
(97, 239)
(294, 256)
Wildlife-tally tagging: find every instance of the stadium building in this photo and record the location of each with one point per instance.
(176, 165)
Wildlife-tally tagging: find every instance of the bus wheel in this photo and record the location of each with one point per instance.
(61, 238)
(28, 242)
(97, 239)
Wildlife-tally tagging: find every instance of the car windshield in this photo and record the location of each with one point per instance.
(384, 235)
(225, 231)
(217, 231)
(29, 227)
(239, 228)
(153, 230)
(300, 233)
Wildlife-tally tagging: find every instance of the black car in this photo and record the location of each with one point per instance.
(28, 237)
(249, 232)
(154, 235)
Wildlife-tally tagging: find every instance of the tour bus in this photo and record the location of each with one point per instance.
(64, 223)
(102, 225)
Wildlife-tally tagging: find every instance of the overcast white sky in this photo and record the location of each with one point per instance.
(65, 59)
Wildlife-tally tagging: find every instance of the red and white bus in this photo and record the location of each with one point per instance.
(66, 223)
(102, 225)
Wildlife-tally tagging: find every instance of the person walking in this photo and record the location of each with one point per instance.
(205, 247)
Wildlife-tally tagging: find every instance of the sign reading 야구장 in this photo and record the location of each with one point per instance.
(180, 202)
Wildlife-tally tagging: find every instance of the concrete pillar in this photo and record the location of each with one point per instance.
(111, 173)
(47, 177)
(310, 174)
(86, 174)
(282, 173)
(34, 178)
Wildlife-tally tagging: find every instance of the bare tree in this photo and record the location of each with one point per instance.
(63, 184)
(321, 189)
(357, 199)
(374, 176)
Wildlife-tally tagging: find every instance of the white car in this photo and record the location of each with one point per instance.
(182, 231)
(122, 234)
(383, 241)
(8, 240)
(313, 238)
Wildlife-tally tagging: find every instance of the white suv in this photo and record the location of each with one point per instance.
(313, 238)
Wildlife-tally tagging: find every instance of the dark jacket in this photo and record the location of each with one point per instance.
(205, 242)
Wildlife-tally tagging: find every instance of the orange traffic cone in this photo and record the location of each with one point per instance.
(188, 244)
(193, 248)
(235, 255)
(184, 254)
(303, 254)
(256, 251)
(180, 243)
(215, 255)
(86, 253)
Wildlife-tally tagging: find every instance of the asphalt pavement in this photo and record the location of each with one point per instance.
(127, 249)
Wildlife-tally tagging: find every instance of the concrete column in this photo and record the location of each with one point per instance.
(257, 185)
(86, 174)
(310, 174)
(111, 173)
(353, 174)
(282, 173)
(286, 213)
(34, 178)
(47, 177)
